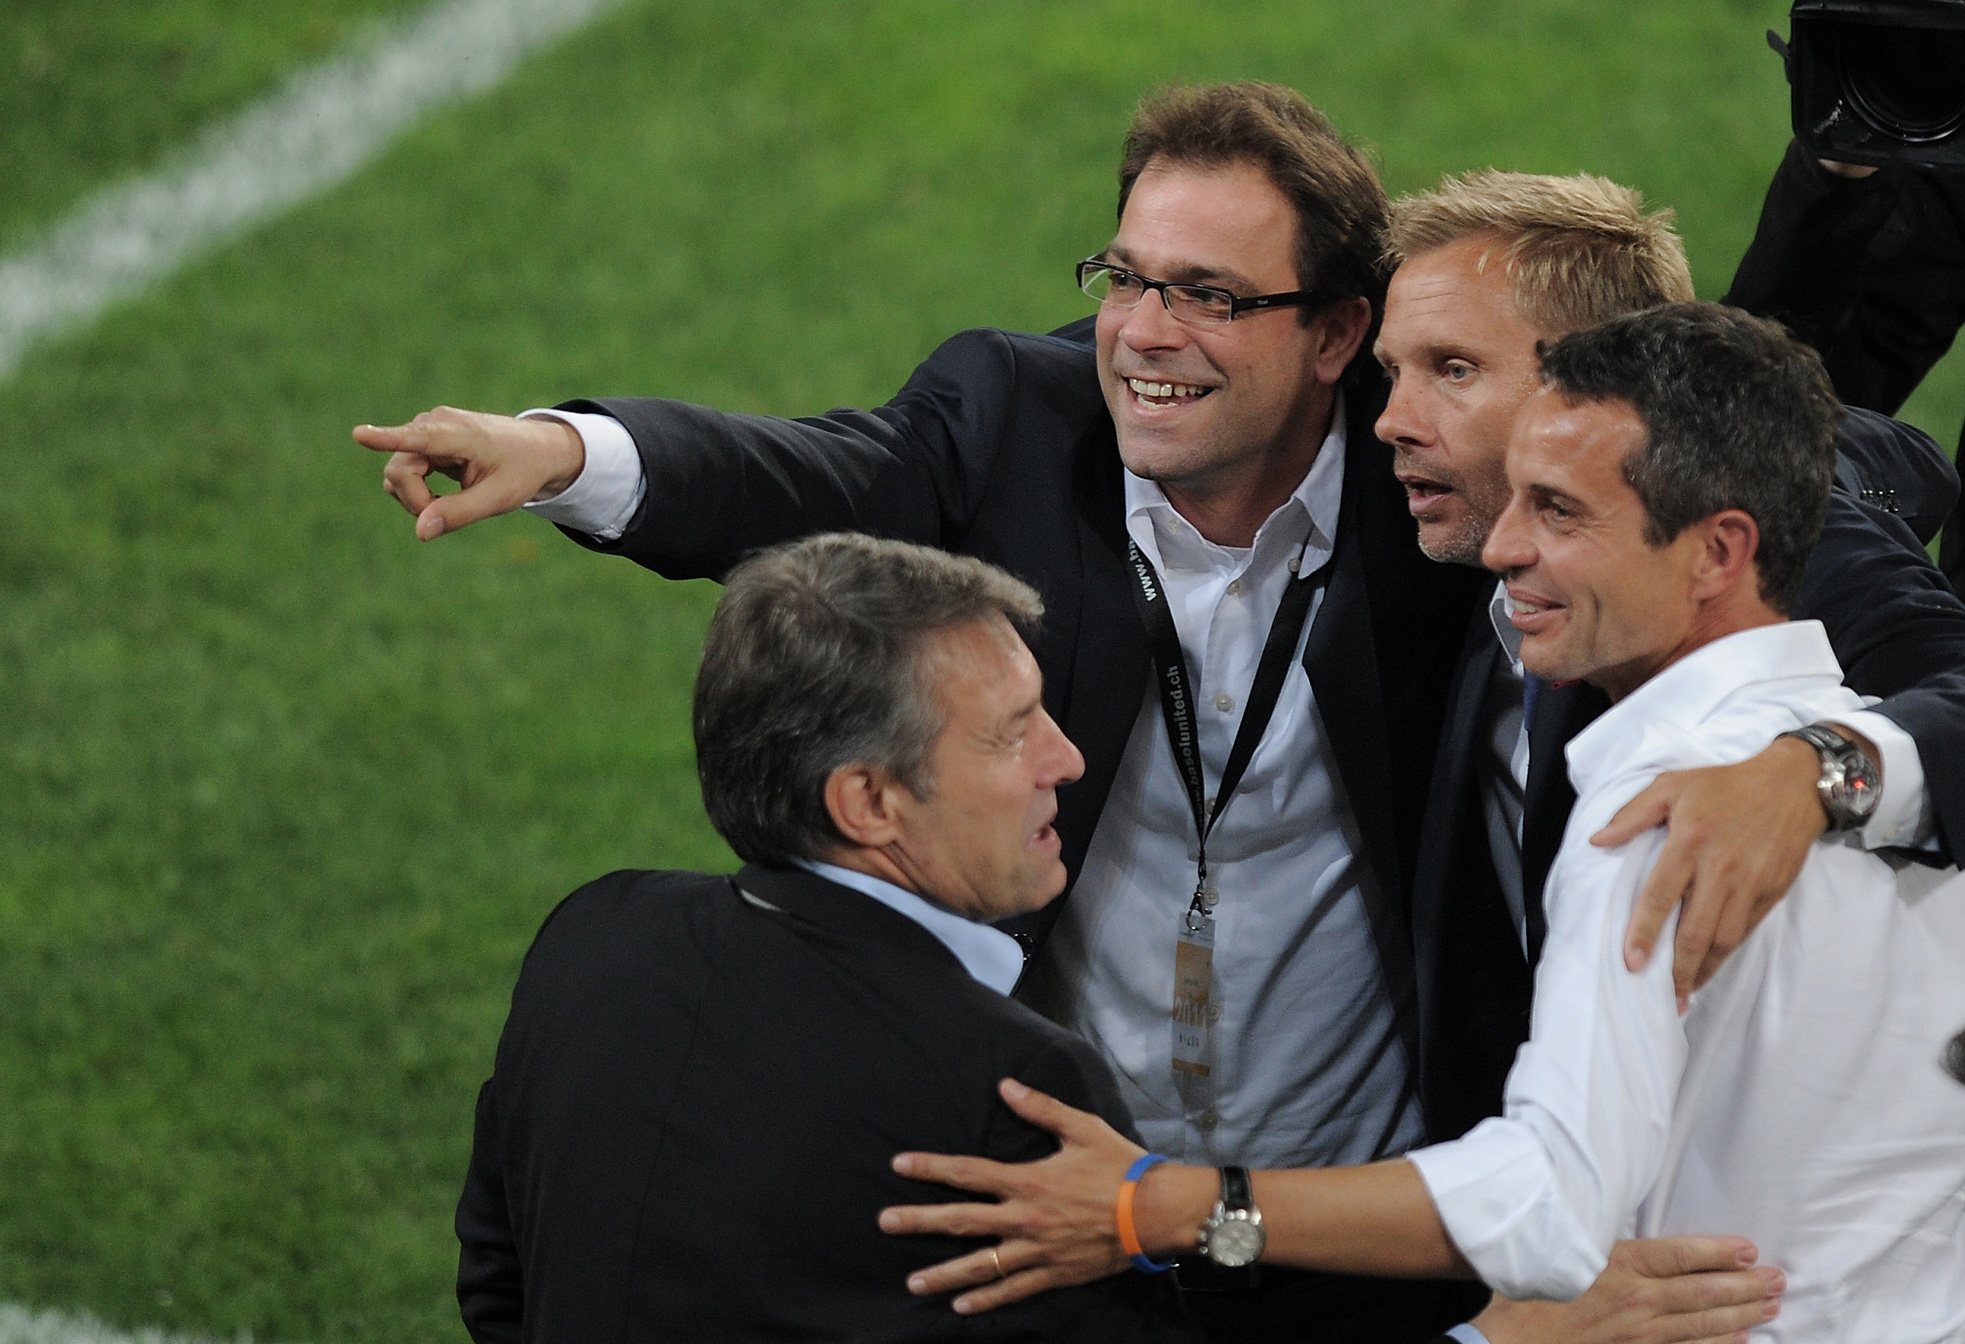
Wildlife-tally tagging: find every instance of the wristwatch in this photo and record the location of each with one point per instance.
(1233, 1236)
(1849, 784)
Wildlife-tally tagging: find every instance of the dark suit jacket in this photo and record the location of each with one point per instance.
(695, 1103)
(1000, 447)
(1896, 627)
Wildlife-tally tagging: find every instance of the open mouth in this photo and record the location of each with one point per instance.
(1151, 392)
(1422, 494)
(1528, 612)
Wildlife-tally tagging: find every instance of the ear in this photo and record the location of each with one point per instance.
(861, 800)
(1336, 333)
(1729, 541)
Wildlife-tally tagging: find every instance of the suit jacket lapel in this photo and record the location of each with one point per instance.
(1450, 807)
(1341, 659)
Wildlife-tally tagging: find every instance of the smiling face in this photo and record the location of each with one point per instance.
(1593, 599)
(1462, 362)
(1229, 410)
(983, 844)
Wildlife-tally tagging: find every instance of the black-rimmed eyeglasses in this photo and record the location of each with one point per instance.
(1203, 304)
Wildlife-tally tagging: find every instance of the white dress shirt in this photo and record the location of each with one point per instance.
(1800, 1102)
(1309, 1068)
(991, 956)
(1903, 816)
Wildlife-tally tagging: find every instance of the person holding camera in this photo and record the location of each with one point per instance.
(1860, 248)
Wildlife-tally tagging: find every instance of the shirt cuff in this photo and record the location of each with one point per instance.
(603, 498)
(1496, 1196)
(1467, 1333)
(1903, 814)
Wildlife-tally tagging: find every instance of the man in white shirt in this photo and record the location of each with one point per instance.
(1666, 486)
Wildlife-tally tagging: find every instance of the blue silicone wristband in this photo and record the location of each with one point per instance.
(1144, 1163)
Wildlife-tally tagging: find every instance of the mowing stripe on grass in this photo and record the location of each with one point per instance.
(18, 1325)
(318, 128)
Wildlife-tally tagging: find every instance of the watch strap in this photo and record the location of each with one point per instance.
(1237, 1191)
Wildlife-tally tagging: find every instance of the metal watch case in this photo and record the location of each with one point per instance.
(1233, 1235)
(1233, 1238)
(1848, 784)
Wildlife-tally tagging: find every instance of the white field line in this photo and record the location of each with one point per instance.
(18, 1325)
(317, 129)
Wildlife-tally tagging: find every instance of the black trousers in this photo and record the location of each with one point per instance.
(1293, 1306)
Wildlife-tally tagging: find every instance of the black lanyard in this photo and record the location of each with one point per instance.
(1177, 698)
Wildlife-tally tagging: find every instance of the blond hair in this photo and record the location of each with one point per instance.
(1579, 249)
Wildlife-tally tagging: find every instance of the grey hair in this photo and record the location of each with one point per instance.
(1737, 415)
(818, 657)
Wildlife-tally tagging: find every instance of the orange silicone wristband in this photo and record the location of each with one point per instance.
(1122, 1214)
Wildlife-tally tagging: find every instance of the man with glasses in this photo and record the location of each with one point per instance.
(1242, 639)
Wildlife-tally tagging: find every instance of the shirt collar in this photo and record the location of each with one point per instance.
(1690, 689)
(1310, 512)
(1504, 629)
(991, 956)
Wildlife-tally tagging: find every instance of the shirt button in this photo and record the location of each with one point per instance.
(1224, 702)
(1207, 1119)
(1234, 587)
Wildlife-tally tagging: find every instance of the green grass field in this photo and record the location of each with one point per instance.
(286, 793)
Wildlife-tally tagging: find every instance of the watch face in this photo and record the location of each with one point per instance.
(1235, 1241)
(1856, 790)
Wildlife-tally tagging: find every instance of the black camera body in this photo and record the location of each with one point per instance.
(1879, 81)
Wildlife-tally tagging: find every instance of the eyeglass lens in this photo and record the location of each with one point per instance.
(1193, 303)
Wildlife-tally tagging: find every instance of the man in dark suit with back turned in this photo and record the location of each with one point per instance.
(703, 1078)
(1222, 427)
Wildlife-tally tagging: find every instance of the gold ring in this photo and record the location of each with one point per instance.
(996, 1260)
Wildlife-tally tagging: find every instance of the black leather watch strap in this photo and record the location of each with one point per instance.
(1237, 1192)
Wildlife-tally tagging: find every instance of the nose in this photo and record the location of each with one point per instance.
(1062, 761)
(1509, 546)
(1400, 421)
(1151, 325)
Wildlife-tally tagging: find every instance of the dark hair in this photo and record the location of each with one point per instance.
(1737, 413)
(1955, 1057)
(817, 658)
(1340, 204)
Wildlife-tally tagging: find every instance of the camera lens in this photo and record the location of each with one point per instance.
(1907, 83)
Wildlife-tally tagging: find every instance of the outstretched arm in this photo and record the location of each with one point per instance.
(1055, 1221)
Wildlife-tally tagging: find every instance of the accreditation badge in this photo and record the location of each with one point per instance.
(1194, 1010)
